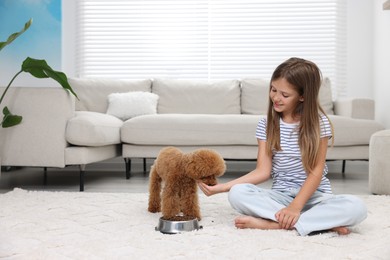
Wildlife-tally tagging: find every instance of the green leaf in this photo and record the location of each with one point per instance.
(9, 119)
(13, 36)
(40, 69)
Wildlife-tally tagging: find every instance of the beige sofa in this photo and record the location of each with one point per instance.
(58, 130)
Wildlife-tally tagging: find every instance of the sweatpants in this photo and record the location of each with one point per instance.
(322, 211)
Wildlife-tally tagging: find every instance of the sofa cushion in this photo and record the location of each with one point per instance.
(195, 129)
(93, 93)
(349, 131)
(201, 129)
(131, 104)
(93, 129)
(325, 96)
(254, 96)
(197, 97)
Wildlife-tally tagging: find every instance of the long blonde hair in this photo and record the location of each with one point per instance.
(306, 77)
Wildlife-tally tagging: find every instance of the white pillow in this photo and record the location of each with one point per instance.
(132, 104)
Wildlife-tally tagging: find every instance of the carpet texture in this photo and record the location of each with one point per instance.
(77, 225)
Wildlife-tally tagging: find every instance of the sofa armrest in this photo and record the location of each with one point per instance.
(359, 108)
(40, 138)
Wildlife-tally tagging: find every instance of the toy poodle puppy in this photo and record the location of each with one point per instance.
(180, 172)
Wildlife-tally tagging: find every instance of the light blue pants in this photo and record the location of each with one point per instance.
(322, 211)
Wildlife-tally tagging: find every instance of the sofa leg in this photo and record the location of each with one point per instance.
(82, 173)
(128, 167)
(343, 169)
(144, 164)
(44, 176)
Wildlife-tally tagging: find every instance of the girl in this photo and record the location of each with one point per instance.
(292, 145)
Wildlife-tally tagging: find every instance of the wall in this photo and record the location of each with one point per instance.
(369, 54)
(381, 62)
(69, 15)
(360, 45)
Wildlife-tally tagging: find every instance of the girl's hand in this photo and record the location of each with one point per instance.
(211, 190)
(287, 217)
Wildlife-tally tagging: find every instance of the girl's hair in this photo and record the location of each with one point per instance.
(306, 77)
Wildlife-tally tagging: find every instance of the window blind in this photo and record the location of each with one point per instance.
(209, 39)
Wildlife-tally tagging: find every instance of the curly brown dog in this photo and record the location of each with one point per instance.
(180, 172)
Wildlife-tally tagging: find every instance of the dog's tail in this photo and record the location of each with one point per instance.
(155, 183)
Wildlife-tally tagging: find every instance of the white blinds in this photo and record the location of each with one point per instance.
(214, 39)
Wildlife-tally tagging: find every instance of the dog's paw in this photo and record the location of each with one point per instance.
(154, 208)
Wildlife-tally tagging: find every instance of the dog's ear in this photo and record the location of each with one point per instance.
(202, 163)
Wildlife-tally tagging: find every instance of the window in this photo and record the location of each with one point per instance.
(211, 40)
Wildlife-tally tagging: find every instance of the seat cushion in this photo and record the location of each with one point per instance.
(349, 131)
(93, 129)
(195, 129)
(200, 129)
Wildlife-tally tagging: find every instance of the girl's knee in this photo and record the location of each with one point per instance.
(235, 192)
(238, 193)
(238, 188)
(356, 207)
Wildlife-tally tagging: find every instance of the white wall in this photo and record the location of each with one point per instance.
(69, 15)
(368, 52)
(360, 45)
(381, 62)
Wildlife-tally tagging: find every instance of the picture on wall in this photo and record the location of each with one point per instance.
(41, 41)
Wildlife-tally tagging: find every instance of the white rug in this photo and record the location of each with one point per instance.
(77, 225)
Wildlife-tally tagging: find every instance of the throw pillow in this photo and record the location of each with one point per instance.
(132, 104)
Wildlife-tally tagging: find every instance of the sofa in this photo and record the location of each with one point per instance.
(136, 118)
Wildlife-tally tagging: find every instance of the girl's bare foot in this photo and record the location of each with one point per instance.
(257, 223)
(341, 230)
(260, 223)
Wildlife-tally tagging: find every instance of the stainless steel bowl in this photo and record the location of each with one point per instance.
(177, 227)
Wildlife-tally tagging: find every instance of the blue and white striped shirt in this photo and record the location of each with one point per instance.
(287, 168)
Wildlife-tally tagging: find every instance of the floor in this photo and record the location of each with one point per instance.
(109, 176)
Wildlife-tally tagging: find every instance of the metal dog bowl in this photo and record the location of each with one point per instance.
(177, 227)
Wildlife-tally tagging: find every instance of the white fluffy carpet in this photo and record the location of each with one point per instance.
(77, 225)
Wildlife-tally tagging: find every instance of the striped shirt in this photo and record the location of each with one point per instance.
(287, 168)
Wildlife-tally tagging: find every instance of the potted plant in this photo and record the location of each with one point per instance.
(38, 69)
